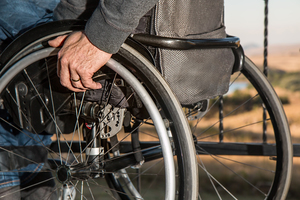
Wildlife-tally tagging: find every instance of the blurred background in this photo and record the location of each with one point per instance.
(245, 19)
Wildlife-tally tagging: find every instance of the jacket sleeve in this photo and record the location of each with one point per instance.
(74, 9)
(111, 22)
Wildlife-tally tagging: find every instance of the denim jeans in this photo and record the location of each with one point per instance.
(10, 137)
(17, 16)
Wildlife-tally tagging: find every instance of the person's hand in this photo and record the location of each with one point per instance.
(78, 60)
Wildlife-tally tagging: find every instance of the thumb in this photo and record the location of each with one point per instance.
(58, 42)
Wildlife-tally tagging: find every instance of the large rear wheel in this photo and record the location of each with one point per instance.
(243, 141)
(129, 140)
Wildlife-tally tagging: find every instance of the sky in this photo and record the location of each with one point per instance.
(245, 19)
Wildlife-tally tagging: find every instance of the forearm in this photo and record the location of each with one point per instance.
(110, 21)
(113, 21)
(74, 9)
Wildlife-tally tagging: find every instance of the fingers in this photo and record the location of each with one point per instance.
(87, 82)
(82, 84)
(58, 42)
(66, 79)
(77, 81)
(83, 80)
(78, 60)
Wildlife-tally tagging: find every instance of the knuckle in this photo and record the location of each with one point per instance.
(59, 54)
(63, 61)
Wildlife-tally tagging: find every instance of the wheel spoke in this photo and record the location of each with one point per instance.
(53, 110)
(212, 177)
(98, 133)
(33, 185)
(51, 116)
(76, 126)
(141, 111)
(87, 183)
(209, 176)
(80, 191)
(216, 158)
(231, 130)
(252, 172)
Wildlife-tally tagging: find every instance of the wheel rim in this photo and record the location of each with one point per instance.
(233, 158)
(63, 170)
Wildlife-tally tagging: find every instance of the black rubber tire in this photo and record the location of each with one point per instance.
(284, 145)
(238, 150)
(144, 70)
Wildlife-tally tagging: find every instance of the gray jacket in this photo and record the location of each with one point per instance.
(109, 21)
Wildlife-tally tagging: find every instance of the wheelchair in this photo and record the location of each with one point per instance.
(132, 138)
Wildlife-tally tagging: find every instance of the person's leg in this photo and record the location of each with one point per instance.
(9, 181)
(12, 137)
(38, 182)
(75, 9)
(10, 193)
(16, 16)
(44, 189)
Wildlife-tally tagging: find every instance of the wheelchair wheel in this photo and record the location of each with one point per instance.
(129, 140)
(243, 152)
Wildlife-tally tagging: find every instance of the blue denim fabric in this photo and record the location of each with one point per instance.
(10, 136)
(17, 16)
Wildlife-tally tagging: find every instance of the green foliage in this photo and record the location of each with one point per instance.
(235, 103)
(287, 80)
(284, 99)
(242, 99)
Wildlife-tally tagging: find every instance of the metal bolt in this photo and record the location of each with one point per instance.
(22, 89)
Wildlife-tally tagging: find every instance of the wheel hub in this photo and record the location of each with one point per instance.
(63, 174)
